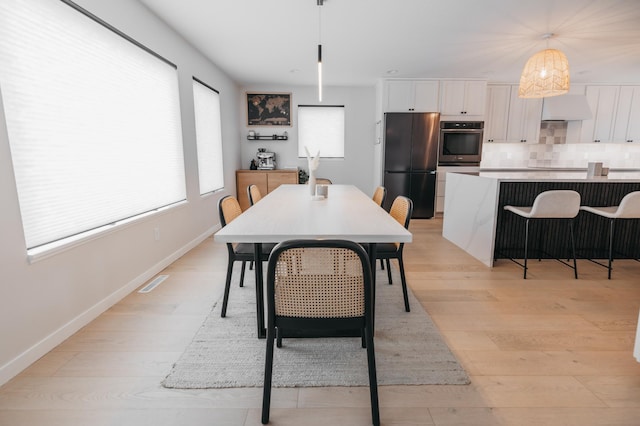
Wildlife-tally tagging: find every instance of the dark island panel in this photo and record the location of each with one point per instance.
(550, 238)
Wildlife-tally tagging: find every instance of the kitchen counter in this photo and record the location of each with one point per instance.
(474, 218)
(531, 175)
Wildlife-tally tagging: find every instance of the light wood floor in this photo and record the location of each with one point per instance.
(550, 350)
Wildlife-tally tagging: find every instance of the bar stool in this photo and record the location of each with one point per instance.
(557, 204)
(629, 208)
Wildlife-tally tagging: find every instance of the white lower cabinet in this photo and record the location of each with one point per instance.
(442, 178)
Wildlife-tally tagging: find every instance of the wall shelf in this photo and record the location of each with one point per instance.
(267, 137)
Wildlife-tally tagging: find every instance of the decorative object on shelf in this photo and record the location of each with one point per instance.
(545, 74)
(253, 136)
(268, 109)
(313, 166)
(254, 165)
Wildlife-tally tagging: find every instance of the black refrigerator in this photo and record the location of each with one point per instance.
(410, 159)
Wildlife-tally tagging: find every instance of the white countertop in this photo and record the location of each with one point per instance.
(557, 175)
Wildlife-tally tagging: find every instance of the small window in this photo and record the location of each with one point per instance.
(208, 137)
(321, 128)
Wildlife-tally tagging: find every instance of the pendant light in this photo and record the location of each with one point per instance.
(545, 74)
(320, 2)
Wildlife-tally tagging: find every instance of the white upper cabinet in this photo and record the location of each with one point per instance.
(411, 96)
(627, 122)
(524, 118)
(463, 99)
(497, 113)
(603, 101)
(510, 118)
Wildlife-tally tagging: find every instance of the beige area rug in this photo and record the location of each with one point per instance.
(225, 352)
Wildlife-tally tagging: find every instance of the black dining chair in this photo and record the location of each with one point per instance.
(229, 209)
(319, 286)
(401, 210)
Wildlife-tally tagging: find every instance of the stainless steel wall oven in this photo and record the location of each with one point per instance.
(460, 143)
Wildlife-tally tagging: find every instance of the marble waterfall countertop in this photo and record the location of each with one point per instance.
(553, 174)
(471, 204)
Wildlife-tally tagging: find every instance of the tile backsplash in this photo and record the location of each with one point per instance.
(553, 151)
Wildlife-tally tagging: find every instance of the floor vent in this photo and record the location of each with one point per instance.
(153, 284)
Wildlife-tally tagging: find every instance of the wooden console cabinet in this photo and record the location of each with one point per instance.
(266, 180)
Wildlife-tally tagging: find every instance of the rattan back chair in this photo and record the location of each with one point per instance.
(401, 210)
(319, 286)
(228, 210)
(379, 195)
(254, 194)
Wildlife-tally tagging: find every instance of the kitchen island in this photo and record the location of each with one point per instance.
(474, 218)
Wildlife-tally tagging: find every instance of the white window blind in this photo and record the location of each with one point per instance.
(208, 137)
(93, 121)
(321, 128)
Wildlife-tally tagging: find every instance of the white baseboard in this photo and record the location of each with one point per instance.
(35, 352)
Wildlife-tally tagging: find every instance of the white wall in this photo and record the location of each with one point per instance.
(358, 166)
(43, 303)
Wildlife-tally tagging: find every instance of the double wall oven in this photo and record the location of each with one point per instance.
(460, 143)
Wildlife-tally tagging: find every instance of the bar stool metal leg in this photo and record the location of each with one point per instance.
(611, 221)
(526, 246)
(573, 250)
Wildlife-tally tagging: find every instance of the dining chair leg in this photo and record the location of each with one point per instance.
(227, 286)
(382, 264)
(279, 337)
(389, 271)
(244, 263)
(268, 369)
(403, 278)
(373, 380)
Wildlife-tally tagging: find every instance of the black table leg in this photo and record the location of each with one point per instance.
(257, 252)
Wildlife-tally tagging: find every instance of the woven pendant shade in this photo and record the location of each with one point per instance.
(545, 74)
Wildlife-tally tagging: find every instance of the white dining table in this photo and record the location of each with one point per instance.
(290, 212)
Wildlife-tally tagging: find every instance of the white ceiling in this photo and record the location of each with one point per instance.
(275, 41)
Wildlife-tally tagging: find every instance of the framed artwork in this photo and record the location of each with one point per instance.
(268, 109)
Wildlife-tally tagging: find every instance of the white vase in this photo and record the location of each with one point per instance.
(312, 184)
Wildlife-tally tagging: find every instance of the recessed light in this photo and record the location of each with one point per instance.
(391, 72)
(294, 70)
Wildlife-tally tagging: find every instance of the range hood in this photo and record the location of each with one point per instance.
(565, 108)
